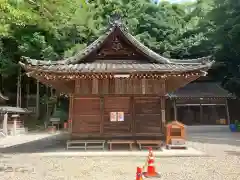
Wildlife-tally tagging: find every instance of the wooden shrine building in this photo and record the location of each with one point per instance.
(201, 103)
(117, 85)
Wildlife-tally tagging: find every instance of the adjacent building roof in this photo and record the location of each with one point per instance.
(3, 97)
(158, 63)
(11, 109)
(201, 90)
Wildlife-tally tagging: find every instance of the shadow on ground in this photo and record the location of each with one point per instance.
(233, 153)
(58, 143)
(48, 144)
(55, 143)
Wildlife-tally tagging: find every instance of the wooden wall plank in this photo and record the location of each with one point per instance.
(106, 85)
(123, 86)
(87, 115)
(147, 105)
(133, 116)
(148, 115)
(77, 86)
(95, 86)
(141, 115)
(129, 86)
(87, 106)
(117, 104)
(144, 86)
(102, 115)
(119, 86)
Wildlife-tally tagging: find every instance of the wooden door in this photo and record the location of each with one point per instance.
(116, 105)
(87, 115)
(148, 115)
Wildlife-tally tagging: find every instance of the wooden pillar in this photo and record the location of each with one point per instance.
(102, 115)
(37, 99)
(133, 124)
(175, 110)
(163, 113)
(70, 107)
(227, 112)
(163, 101)
(70, 112)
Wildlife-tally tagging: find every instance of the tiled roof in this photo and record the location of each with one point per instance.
(120, 68)
(201, 89)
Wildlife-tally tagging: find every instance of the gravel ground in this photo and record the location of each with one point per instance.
(222, 164)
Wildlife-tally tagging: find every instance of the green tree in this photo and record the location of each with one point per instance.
(224, 37)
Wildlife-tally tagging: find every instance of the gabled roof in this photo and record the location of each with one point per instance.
(175, 123)
(76, 62)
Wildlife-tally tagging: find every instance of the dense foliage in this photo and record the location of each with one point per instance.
(54, 29)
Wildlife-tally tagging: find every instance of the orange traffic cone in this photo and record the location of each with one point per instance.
(151, 171)
(139, 174)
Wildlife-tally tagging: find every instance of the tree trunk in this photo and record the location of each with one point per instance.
(20, 88)
(37, 100)
(18, 103)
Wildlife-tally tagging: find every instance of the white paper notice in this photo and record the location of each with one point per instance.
(120, 116)
(113, 116)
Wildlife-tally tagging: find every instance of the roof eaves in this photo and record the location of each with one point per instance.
(202, 60)
(91, 67)
(35, 62)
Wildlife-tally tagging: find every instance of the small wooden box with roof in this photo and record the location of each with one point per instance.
(175, 135)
